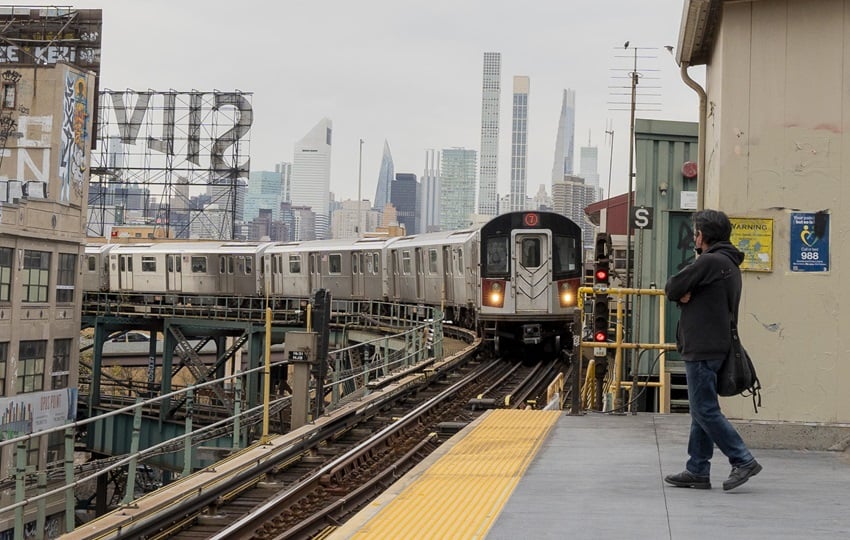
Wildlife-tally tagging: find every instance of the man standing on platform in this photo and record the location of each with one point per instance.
(708, 292)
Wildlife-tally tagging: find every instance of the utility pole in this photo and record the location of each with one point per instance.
(635, 78)
(359, 228)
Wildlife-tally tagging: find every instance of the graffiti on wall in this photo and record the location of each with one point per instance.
(72, 154)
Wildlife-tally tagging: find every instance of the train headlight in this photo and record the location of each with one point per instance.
(493, 292)
(566, 295)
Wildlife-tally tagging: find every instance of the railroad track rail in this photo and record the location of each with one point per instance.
(319, 480)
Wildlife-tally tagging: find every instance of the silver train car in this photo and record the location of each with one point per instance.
(515, 278)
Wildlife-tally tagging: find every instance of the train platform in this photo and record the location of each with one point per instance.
(544, 474)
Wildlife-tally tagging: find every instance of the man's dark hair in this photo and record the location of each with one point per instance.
(713, 224)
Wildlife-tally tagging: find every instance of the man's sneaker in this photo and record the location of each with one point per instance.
(686, 479)
(739, 475)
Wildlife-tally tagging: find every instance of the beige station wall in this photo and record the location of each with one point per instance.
(778, 114)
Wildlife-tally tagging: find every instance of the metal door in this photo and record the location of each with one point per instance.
(532, 272)
(173, 273)
(356, 274)
(420, 272)
(125, 272)
(448, 284)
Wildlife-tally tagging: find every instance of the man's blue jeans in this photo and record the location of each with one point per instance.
(708, 424)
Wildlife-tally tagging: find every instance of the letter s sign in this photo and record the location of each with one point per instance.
(642, 217)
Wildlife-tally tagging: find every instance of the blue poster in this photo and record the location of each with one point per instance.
(809, 242)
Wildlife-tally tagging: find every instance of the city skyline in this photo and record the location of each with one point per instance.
(410, 77)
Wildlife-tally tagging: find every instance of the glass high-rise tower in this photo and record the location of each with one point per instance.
(565, 141)
(457, 188)
(385, 179)
(489, 164)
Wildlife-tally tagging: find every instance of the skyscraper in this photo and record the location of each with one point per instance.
(588, 167)
(428, 212)
(404, 200)
(385, 179)
(265, 191)
(311, 176)
(457, 188)
(570, 196)
(489, 167)
(565, 140)
(519, 143)
(588, 164)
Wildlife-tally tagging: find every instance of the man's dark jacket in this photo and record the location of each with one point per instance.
(714, 281)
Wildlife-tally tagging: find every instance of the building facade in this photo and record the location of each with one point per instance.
(44, 176)
(565, 140)
(311, 176)
(403, 199)
(457, 188)
(428, 206)
(570, 196)
(386, 175)
(488, 177)
(519, 144)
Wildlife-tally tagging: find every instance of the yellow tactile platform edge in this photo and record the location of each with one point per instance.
(462, 494)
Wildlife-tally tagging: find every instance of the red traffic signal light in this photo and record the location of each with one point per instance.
(601, 275)
(600, 317)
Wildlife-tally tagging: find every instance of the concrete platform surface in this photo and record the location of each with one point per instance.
(600, 476)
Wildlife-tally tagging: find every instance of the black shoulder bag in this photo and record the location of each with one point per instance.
(737, 375)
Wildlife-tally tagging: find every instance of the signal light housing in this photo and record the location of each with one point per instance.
(600, 317)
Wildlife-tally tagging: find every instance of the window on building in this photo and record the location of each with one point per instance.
(334, 263)
(65, 277)
(5, 273)
(148, 264)
(10, 92)
(4, 358)
(61, 362)
(199, 265)
(31, 367)
(36, 275)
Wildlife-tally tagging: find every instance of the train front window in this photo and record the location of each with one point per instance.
(530, 252)
(497, 255)
(564, 254)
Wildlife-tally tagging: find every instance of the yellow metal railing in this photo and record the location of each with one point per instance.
(619, 345)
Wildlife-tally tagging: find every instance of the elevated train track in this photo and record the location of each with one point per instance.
(305, 481)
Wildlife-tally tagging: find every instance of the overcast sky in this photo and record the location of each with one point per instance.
(402, 70)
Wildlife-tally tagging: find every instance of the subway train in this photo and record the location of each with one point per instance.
(514, 279)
